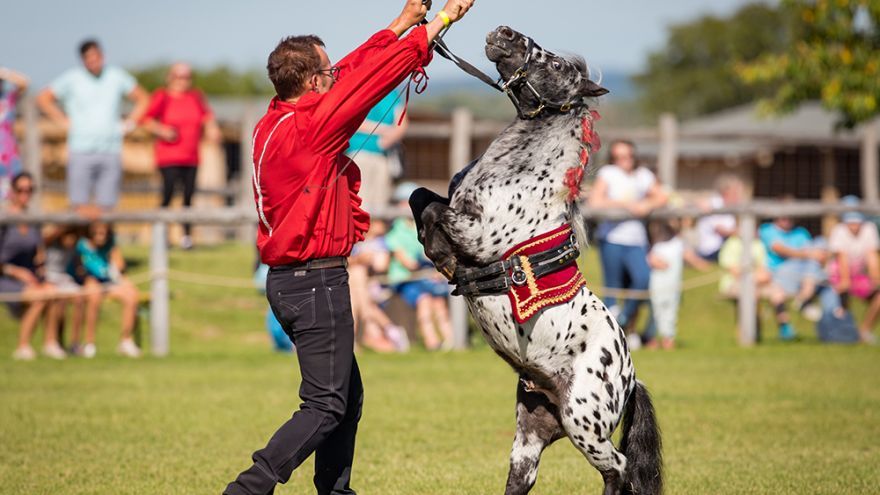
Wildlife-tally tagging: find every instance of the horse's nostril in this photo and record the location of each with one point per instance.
(506, 32)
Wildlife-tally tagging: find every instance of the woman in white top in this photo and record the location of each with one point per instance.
(623, 245)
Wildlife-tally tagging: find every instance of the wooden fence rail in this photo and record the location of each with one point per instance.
(748, 215)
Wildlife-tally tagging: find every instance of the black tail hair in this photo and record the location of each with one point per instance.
(641, 445)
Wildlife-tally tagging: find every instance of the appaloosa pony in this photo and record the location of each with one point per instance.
(508, 238)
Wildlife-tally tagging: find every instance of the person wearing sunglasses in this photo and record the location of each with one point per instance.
(21, 257)
(310, 216)
(179, 117)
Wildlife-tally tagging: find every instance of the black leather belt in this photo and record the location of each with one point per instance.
(499, 277)
(316, 264)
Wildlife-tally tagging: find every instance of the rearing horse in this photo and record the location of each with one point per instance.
(509, 238)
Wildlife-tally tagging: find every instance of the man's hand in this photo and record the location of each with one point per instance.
(414, 12)
(456, 9)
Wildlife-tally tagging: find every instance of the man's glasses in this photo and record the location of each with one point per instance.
(333, 72)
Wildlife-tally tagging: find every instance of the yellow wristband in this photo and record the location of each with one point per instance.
(444, 17)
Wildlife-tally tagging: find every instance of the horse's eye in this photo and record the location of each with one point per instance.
(557, 65)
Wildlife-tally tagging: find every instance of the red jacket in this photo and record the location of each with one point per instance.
(306, 196)
(187, 114)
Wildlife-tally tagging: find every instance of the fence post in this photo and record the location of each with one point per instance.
(159, 296)
(33, 159)
(870, 163)
(667, 156)
(460, 153)
(247, 232)
(747, 309)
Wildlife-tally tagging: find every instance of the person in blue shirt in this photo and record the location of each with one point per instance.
(375, 150)
(796, 262)
(91, 96)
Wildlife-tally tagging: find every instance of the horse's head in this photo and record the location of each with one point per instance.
(535, 78)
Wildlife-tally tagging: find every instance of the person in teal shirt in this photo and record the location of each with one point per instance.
(374, 150)
(91, 97)
(427, 294)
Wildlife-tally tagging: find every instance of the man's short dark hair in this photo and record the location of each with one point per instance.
(87, 45)
(292, 63)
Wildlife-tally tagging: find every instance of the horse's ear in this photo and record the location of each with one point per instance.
(591, 89)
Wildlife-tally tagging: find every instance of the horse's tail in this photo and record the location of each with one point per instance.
(641, 445)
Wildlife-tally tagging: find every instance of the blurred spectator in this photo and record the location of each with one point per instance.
(62, 263)
(730, 284)
(855, 265)
(91, 97)
(712, 230)
(796, 262)
(179, 116)
(103, 265)
(371, 257)
(376, 139)
(623, 245)
(12, 85)
(426, 293)
(666, 260)
(21, 259)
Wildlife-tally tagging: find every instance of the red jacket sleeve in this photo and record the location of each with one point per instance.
(339, 112)
(371, 47)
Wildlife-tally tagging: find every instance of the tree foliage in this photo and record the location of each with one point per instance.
(220, 80)
(835, 58)
(695, 72)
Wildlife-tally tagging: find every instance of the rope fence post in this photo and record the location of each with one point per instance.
(159, 294)
(460, 153)
(247, 232)
(747, 307)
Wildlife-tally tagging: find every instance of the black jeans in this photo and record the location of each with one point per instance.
(186, 176)
(314, 307)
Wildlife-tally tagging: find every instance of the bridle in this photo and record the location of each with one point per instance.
(509, 87)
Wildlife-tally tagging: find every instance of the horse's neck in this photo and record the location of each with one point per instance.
(520, 180)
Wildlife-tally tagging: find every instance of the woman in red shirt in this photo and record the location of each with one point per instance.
(179, 117)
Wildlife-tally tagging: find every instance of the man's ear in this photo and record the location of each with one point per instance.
(591, 89)
(313, 82)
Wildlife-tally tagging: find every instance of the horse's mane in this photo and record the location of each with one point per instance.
(583, 67)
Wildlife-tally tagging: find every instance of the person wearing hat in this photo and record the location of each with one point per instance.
(427, 294)
(854, 269)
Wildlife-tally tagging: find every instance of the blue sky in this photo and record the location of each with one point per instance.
(39, 37)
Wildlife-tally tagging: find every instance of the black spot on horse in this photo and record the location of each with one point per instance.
(606, 357)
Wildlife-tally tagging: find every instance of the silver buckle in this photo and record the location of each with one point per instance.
(518, 277)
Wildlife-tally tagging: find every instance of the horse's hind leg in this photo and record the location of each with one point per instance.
(537, 426)
(593, 409)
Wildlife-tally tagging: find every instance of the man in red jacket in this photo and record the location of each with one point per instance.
(310, 216)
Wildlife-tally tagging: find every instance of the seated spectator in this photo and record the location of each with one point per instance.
(103, 267)
(854, 268)
(713, 229)
(730, 284)
(62, 261)
(426, 293)
(371, 257)
(796, 263)
(666, 259)
(21, 257)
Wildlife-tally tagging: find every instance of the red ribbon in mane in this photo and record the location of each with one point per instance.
(589, 143)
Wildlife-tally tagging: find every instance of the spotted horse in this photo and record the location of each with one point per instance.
(508, 238)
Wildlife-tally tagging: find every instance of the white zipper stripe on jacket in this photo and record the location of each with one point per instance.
(258, 167)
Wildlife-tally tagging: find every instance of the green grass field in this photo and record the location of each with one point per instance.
(779, 418)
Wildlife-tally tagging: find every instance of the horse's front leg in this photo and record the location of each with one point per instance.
(439, 246)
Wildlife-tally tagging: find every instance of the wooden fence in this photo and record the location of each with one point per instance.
(748, 214)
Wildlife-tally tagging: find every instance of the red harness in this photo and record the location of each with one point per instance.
(554, 288)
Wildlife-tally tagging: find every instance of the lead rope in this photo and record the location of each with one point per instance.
(420, 78)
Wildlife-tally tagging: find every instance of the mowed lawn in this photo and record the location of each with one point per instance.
(779, 418)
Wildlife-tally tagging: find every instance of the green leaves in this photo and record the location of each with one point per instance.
(835, 58)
